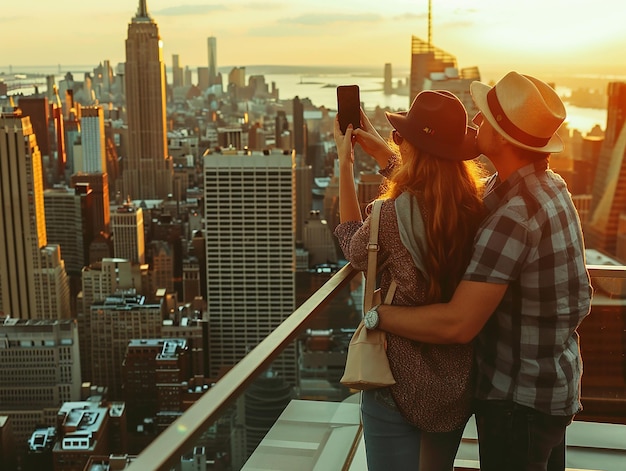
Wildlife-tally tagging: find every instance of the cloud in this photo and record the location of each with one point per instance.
(187, 10)
(458, 24)
(201, 9)
(325, 19)
(14, 19)
(263, 6)
(410, 16)
(309, 24)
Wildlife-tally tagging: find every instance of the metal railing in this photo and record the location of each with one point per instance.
(180, 437)
(608, 271)
(167, 448)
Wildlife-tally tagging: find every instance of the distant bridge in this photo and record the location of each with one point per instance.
(18, 81)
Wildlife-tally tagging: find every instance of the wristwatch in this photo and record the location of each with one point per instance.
(370, 319)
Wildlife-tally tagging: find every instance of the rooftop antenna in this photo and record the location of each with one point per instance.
(142, 12)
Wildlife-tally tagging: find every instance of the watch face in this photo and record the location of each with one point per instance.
(371, 319)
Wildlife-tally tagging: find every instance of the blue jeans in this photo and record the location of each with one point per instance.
(393, 444)
(518, 438)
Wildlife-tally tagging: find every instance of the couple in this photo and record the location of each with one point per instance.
(494, 268)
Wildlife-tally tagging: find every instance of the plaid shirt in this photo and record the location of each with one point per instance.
(532, 240)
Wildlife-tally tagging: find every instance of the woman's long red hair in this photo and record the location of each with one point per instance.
(449, 194)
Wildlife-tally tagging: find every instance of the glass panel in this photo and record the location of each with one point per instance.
(603, 348)
(320, 356)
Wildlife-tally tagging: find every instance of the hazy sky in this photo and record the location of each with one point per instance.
(529, 36)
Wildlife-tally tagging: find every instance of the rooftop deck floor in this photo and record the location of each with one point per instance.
(317, 435)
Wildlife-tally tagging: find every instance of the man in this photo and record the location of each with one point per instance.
(526, 289)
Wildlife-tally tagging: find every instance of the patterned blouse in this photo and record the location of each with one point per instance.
(412, 397)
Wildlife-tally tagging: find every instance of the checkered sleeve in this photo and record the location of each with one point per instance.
(500, 249)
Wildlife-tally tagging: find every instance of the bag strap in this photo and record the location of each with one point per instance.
(391, 292)
(372, 255)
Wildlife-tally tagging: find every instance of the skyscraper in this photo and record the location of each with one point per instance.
(388, 79)
(93, 140)
(609, 188)
(33, 282)
(250, 254)
(304, 196)
(435, 69)
(177, 71)
(203, 78)
(68, 224)
(38, 109)
(100, 209)
(299, 127)
(212, 55)
(147, 170)
(426, 59)
(56, 127)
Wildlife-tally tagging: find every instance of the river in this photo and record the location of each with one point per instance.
(319, 85)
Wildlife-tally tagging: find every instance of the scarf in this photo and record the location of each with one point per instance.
(412, 230)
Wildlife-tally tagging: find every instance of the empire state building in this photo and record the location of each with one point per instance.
(147, 169)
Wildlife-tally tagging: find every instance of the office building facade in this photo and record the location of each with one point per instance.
(128, 233)
(304, 195)
(250, 253)
(319, 240)
(33, 281)
(114, 322)
(68, 224)
(99, 281)
(39, 371)
(100, 214)
(93, 140)
(154, 371)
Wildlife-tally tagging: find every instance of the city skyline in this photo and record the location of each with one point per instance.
(535, 37)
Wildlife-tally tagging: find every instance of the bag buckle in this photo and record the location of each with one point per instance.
(373, 247)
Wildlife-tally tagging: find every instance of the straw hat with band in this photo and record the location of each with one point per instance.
(436, 123)
(524, 110)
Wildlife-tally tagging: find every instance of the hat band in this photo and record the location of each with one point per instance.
(508, 126)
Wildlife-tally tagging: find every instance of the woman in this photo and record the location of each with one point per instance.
(431, 210)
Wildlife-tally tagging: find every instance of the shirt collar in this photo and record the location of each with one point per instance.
(496, 190)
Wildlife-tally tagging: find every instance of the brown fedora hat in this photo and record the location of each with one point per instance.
(436, 123)
(524, 110)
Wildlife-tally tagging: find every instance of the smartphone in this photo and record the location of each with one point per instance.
(348, 106)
